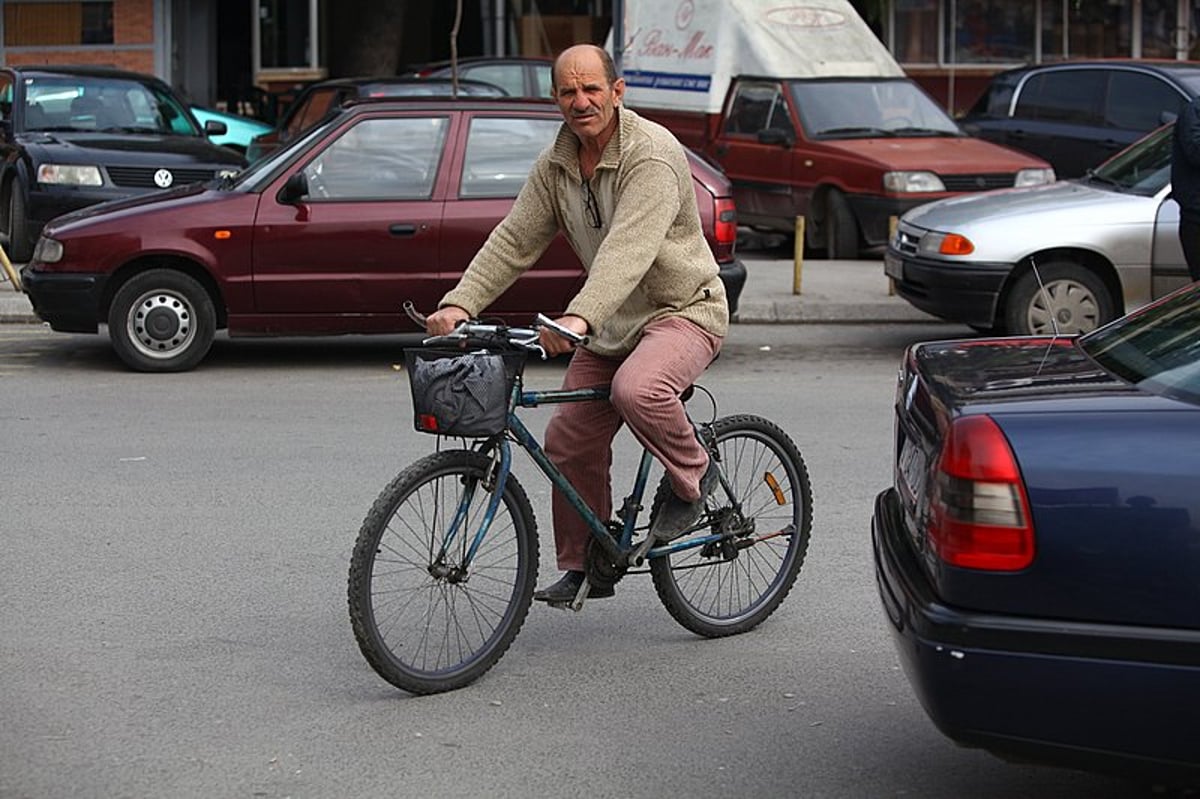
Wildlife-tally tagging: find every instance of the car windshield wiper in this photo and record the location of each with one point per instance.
(915, 131)
(58, 129)
(855, 131)
(130, 129)
(1093, 175)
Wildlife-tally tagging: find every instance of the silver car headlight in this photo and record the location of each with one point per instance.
(1034, 177)
(69, 175)
(912, 182)
(48, 251)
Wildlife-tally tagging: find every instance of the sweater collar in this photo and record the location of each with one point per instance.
(566, 145)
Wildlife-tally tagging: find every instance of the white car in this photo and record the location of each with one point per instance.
(1102, 245)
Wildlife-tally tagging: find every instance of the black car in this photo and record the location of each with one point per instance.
(1077, 114)
(71, 137)
(318, 101)
(527, 76)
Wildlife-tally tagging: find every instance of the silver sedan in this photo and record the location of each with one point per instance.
(1061, 258)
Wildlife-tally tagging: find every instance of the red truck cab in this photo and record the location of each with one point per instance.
(845, 153)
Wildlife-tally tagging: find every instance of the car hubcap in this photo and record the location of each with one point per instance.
(160, 324)
(1069, 305)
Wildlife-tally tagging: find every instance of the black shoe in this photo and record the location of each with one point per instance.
(567, 587)
(677, 515)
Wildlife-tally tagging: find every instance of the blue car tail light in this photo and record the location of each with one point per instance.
(980, 511)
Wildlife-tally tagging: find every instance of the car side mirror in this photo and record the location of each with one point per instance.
(775, 136)
(294, 190)
(214, 127)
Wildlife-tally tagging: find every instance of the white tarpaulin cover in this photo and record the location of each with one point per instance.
(681, 54)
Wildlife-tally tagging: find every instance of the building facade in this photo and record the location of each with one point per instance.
(239, 53)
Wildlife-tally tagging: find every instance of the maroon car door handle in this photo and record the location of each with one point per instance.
(403, 229)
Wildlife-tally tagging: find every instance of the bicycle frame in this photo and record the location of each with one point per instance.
(619, 550)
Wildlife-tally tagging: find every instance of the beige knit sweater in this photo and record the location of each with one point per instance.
(648, 259)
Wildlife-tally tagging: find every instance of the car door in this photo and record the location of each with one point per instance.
(364, 238)
(1057, 116)
(497, 151)
(754, 147)
(1135, 104)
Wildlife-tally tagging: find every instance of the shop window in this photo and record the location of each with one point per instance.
(285, 34)
(1092, 29)
(991, 31)
(31, 23)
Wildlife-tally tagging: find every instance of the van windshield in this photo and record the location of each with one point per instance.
(831, 109)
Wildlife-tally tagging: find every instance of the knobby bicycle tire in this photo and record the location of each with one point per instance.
(422, 626)
(716, 591)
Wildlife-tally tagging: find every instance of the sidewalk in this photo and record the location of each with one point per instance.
(831, 291)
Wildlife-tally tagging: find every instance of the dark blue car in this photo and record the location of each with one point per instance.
(1038, 556)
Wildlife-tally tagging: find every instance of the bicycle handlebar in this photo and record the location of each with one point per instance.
(488, 333)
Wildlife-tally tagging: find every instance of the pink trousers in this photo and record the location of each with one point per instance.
(645, 389)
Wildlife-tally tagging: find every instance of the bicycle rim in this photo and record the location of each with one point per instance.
(423, 623)
(714, 590)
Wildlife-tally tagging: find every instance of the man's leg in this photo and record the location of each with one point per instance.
(645, 390)
(579, 442)
(1189, 237)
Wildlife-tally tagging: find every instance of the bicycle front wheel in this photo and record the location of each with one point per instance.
(763, 509)
(426, 619)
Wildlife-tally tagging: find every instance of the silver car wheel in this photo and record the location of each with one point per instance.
(160, 324)
(1066, 306)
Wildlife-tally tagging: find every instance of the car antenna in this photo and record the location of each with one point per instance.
(1053, 321)
(1045, 295)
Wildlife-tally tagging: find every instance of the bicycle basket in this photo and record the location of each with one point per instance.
(456, 393)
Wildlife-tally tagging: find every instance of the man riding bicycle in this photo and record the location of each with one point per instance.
(619, 188)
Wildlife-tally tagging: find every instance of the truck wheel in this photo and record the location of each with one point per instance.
(161, 321)
(1075, 300)
(841, 231)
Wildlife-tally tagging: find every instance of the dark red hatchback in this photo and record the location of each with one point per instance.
(386, 202)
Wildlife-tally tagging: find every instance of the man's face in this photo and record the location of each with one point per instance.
(584, 96)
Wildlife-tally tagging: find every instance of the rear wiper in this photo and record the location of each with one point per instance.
(855, 131)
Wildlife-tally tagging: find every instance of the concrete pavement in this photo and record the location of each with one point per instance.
(830, 291)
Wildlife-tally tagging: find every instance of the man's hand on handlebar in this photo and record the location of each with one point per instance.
(555, 344)
(443, 321)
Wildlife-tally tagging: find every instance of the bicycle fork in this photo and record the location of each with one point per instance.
(494, 481)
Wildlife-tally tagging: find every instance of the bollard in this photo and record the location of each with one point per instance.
(893, 222)
(8, 270)
(798, 257)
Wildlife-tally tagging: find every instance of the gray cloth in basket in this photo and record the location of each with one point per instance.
(468, 395)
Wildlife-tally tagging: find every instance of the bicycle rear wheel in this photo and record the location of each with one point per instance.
(733, 585)
(424, 622)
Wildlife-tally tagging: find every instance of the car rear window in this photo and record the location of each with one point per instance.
(1156, 348)
(1072, 96)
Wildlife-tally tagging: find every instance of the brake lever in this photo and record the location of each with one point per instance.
(567, 333)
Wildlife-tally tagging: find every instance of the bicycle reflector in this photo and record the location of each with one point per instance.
(427, 422)
(773, 484)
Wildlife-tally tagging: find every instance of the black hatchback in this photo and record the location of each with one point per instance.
(71, 137)
(1077, 114)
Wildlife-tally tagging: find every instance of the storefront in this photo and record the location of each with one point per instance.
(223, 51)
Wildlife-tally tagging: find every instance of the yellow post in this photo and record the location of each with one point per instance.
(893, 221)
(798, 265)
(8, 270)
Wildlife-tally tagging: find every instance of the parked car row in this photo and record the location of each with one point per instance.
(383, 203)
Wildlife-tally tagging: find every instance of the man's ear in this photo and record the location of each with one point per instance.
(618, 90)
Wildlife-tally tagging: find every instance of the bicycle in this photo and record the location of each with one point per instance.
(444, 566)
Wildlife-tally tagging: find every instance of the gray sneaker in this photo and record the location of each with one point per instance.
(677, 515)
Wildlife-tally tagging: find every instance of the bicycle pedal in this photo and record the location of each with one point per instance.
(566, 605)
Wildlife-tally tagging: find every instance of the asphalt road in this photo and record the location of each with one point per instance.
(173, 616)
